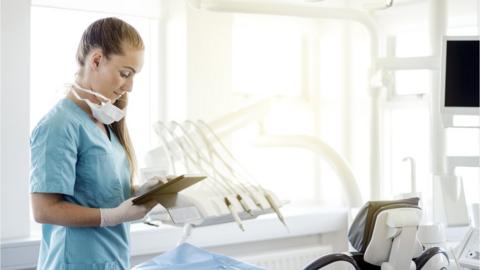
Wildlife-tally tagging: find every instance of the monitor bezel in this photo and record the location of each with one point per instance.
(453, 110)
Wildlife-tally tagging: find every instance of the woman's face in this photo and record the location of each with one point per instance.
(113, 76)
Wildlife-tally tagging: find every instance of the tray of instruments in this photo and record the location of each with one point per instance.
(202, 209)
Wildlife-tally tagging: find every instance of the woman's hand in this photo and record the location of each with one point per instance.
(125, 212)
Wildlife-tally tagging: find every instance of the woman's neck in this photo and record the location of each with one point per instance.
(81, 104)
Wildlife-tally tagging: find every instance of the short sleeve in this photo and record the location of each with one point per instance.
(53, 156)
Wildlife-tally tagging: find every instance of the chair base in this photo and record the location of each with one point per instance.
(432, 259)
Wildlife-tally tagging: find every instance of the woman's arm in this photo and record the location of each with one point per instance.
(51, 208)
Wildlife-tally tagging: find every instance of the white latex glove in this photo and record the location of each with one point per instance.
(150, 184)
(126, 211)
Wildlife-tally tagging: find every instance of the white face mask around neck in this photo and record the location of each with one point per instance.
(105, 112)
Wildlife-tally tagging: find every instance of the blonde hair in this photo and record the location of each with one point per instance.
(109, 34)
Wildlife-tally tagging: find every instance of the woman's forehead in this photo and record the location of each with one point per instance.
(132, 58)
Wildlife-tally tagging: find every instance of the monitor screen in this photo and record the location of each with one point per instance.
(461, 73)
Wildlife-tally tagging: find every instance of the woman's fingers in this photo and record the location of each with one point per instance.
(150, 204)
(160, 179)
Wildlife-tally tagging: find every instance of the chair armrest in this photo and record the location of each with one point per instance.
(421, 260)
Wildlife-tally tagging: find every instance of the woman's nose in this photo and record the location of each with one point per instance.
(127, 87)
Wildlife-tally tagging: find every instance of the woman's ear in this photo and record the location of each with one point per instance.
(95, 58)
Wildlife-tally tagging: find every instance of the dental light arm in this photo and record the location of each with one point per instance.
(341, 167)
(233, 121)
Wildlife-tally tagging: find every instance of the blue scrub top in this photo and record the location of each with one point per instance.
(70, 155)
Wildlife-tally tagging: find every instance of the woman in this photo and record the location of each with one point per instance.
(82, 158)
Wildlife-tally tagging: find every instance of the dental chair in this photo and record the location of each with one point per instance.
(384, 233)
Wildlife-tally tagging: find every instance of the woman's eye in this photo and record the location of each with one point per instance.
(125, 74)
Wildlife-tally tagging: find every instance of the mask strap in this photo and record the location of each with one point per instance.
(83, 99)
(75, 85)
(76, 94)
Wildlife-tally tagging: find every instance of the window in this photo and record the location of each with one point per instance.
(406, 135)
(266, 55)
(304, 64)
(407, 122)
(266, 63)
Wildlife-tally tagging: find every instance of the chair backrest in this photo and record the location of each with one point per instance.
(389, 224)
(362, 226)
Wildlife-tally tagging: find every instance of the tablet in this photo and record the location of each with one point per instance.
(173, 186)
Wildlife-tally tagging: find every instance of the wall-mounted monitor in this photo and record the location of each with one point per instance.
(460, 77)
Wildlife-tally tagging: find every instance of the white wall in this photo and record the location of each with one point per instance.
(14, 124)
(209, 64)
(198, 62)
(175, 59)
